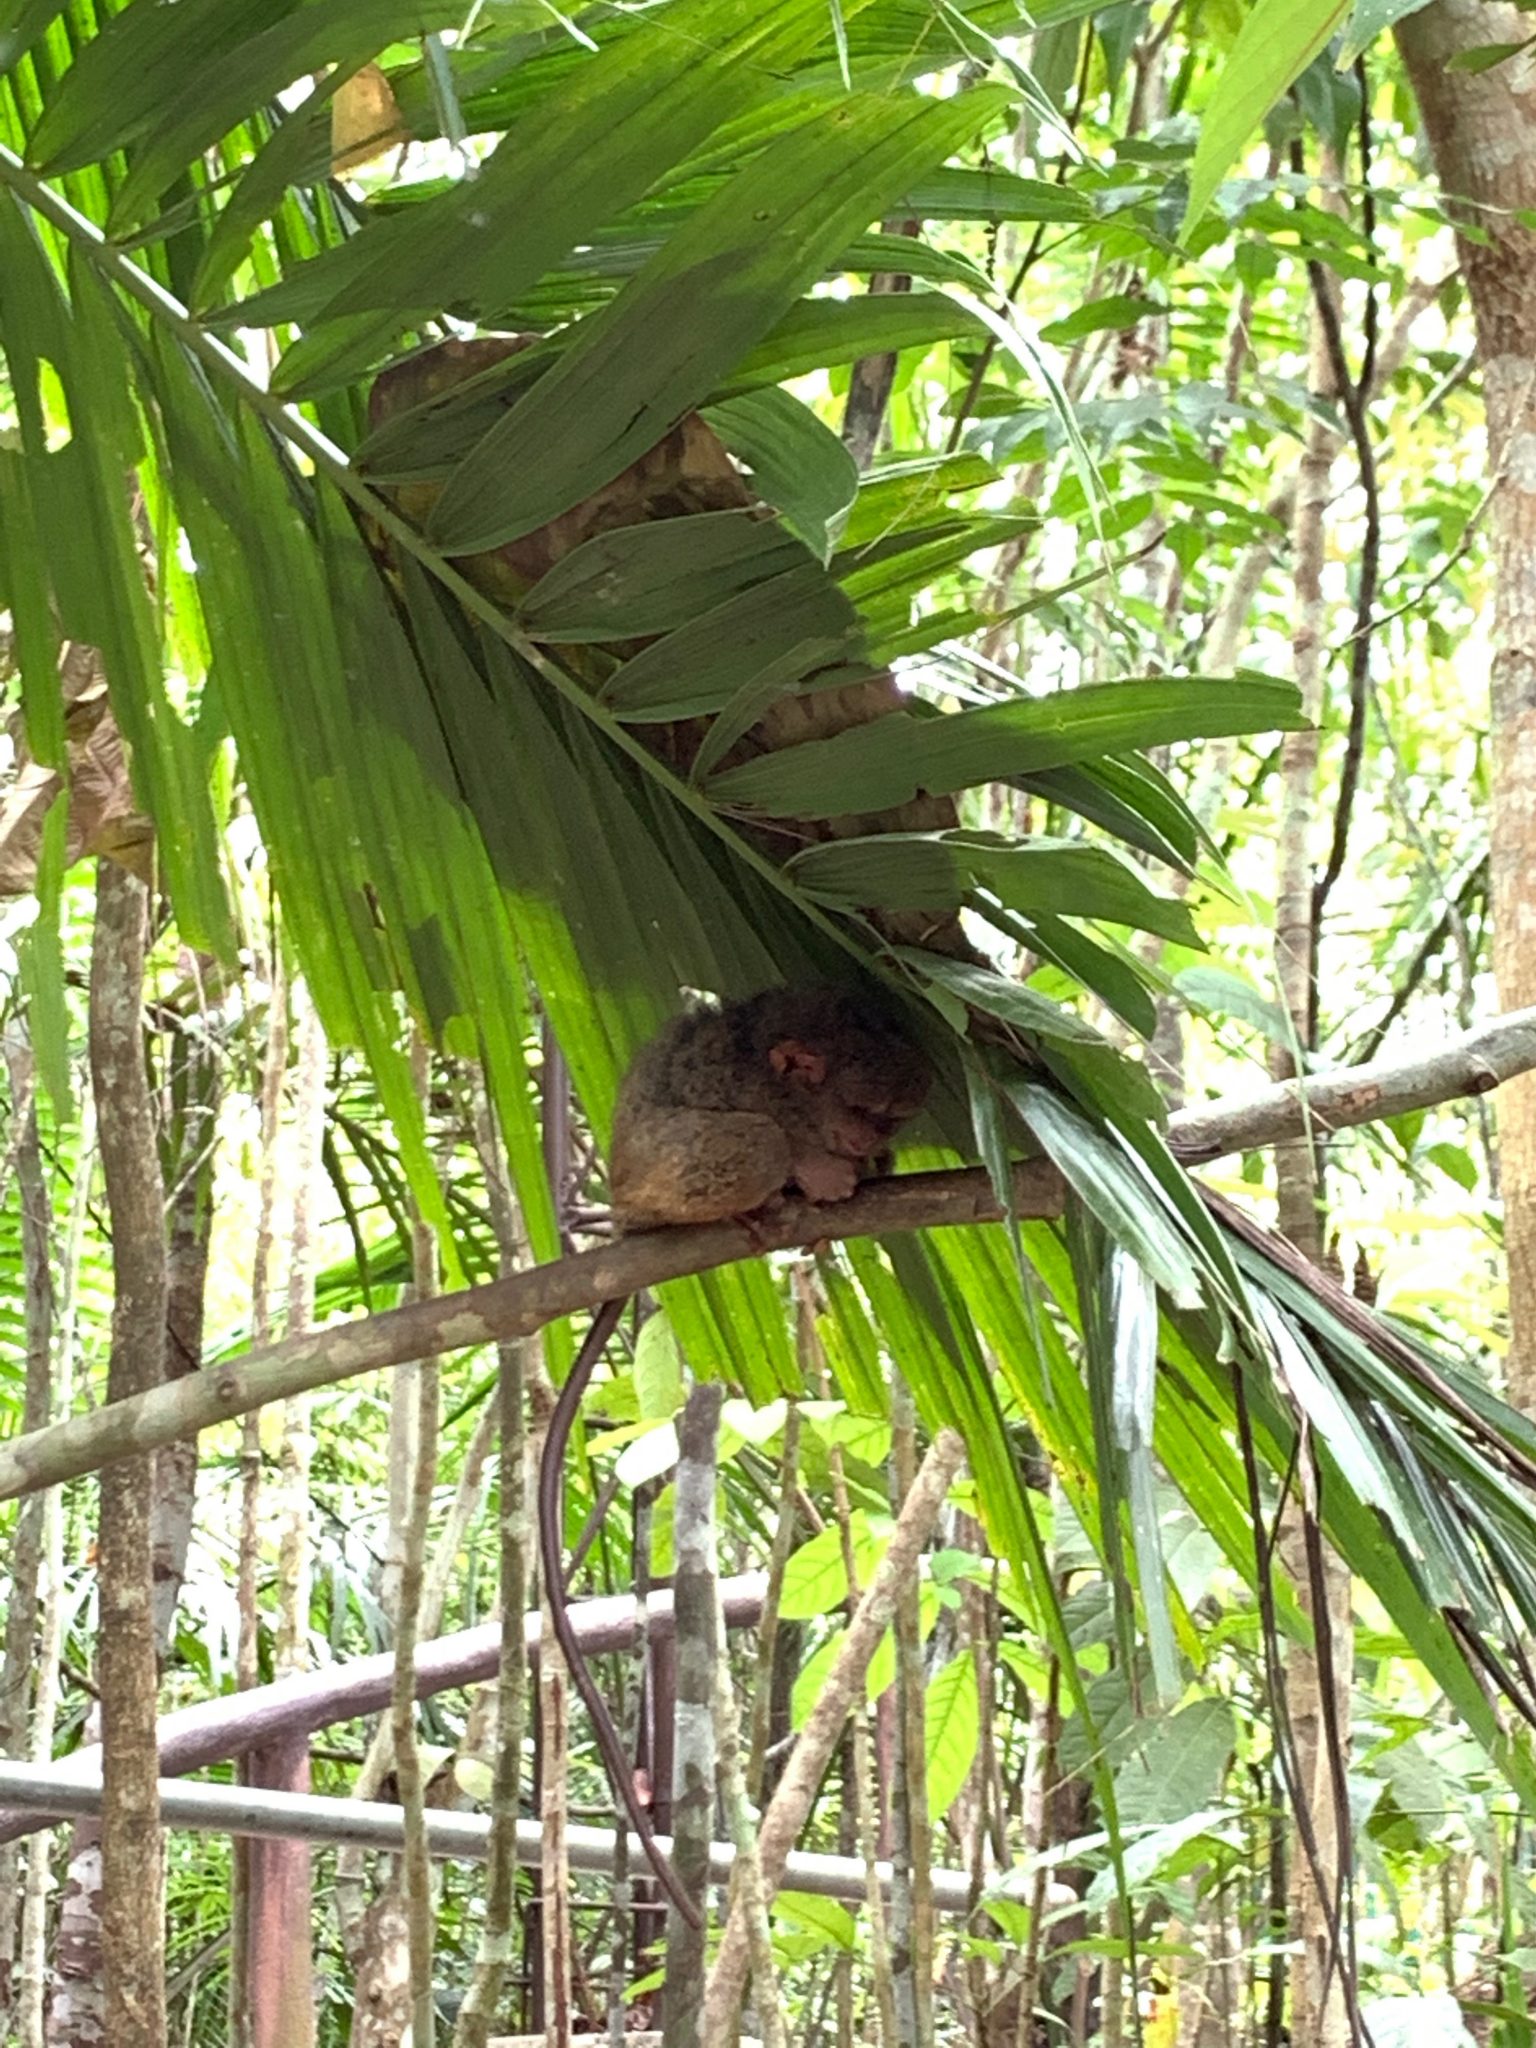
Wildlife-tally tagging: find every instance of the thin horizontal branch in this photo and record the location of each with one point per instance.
(48, 1789)
(213, 1730)
(1474, 1064)
(524, 1302)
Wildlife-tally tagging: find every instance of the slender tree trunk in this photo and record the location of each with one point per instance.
(1319, 2014)
(697, 1634)
(912, 1930)
(26, 1559)
(274, 1068)
(865, 1804)
(416, 1866)
(741, 1821)
(473, 2026)
(190, 1096)
(1482, 129)
(277, 1924)
(132, 1882)
(73, 2012)
(554, 1702)
(872, 377)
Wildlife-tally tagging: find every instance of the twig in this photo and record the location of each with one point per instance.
(1365, 596)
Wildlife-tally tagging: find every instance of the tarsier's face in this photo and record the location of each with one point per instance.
(858, 1082)
(875, 1085)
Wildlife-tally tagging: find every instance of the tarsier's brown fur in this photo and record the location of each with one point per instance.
(729, 1108)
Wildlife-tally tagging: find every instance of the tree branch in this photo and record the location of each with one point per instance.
(524, 1302)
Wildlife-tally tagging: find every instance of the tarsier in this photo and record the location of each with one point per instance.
(729, 1109)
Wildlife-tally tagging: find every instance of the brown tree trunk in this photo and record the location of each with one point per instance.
(1482, 129)
(248, 1655)
(132, 1884)
(698, 1652)
(1319, 2012)
(553, 1697)
(276, 2002)
(192, 1088)
(20, 1650)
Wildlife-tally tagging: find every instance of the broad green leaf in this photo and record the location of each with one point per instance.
(1151, 1853)
(110, 604)
(1277, 41)
(991, 1133)
(816, 1578)
(658, 1371)
(904, 256)
(954, 194)
(896, 496)
(1367, 20)
(635, 367)
(882, 765)
(1486, 56)
(1332, 1421)
(126, 72)
(24, 589)
(652, 578)
(1178, 1770)
(751, 699)
(1218, 992)
(1131, 800)
(1422, 1790)
(883, 579)
(1111, 315)
(205, 83)
(296, 149)
(1115, 975)
(597, 138)
(834, 1923)
(852, 1345)
(952, 1728)
(880, 1674)
(930, 871)
(799, 466)
(700, 666)
(819, 332)
(21, 23)
(982, 988)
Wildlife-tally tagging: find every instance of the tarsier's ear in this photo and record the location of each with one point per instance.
(797, 1062)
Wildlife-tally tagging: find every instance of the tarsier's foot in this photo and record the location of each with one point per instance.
(755, 1223)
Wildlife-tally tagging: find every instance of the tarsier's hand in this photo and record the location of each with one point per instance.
(824, 1176)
